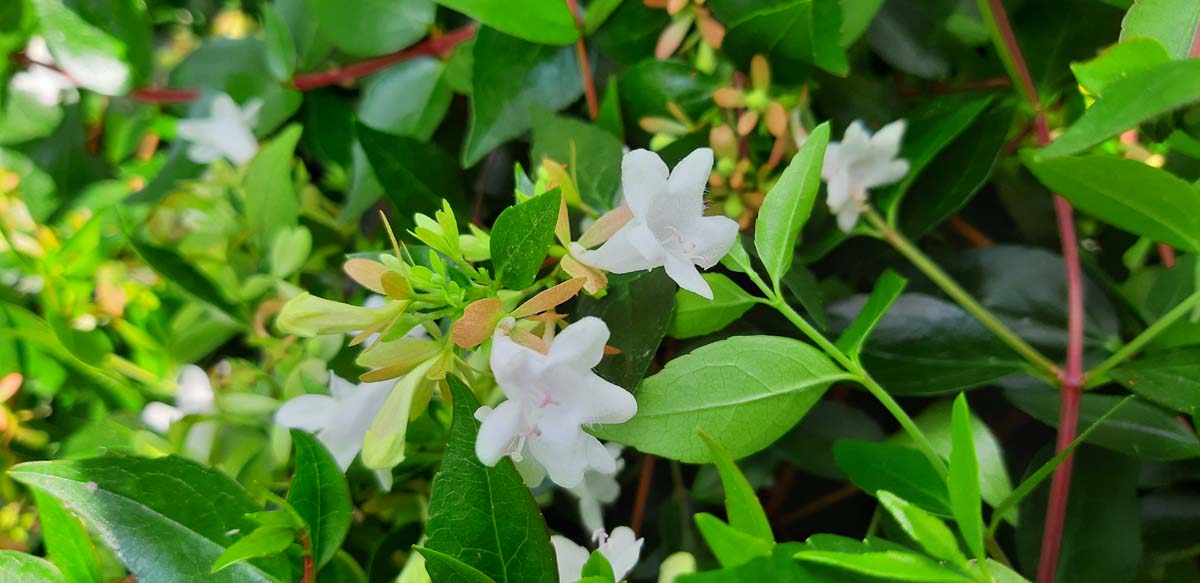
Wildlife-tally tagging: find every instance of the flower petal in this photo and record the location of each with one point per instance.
(838, 192)
(516, 368)
(310, 413)
(622, 550)
(632, 248)
(684, 197)
(497, 432)
(643, 177)
(685, 274)
(571, 559)
(160, 416)
(580, 345)
(711, 237)
(195, 393)
(847, 216)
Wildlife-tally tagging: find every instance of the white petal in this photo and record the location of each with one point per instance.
(195, 393)
(353, 417)
(643, 176)
(888, 138)
(203, 153)
(160, 416)
(249, 113)
(516, 368)
(581, 344)
(684, 273)
(838, 192)
(310, 413)
(200, 439)
(684, 198)
(599, 460)
(224, 108)
(855, 140)
(560, 448)
(497, 432)
(531, 471)
(632, 248)
(847, 216)
(622, 550)
(596, 400)
(590, 513)
(570, 557)
(711, 237)
(833, 162)
(883, 172)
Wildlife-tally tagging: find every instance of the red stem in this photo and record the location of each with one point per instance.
(1072, 379)
(643, 493)
(1166, 255)
(153, 95)
(309, 567)
(585, 66)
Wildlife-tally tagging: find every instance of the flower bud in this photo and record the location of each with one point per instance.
(308, 315)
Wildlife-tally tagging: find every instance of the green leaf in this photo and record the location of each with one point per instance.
(18, 566)
(598, 11)
(592, 156)
(936, 422)
(609, 117)
(731, 547)
(280, 48)
(792, 35)
(95, 58)
(539, 21)
(271, 201)
(1170, 379)
(511, 77)
(888, 287)
(901, 470)
(67, 542)
(788, 205)
(1127, 194)
(367, 28)
(481, 516)
(697, 316)
(926, 529)
(409, 99)
(24, 118)
(261, 542)
(386, 438)
(343, 569)
(320, 495)
(809, 446)
(778, 567)
(1129, 102)
(166, 518)
(856, 17)
(1118, 62)
(745, 392)
(1171, 23)
(963, 479)
(177, 167)
(1137, 429)
(648, 86)
(598, 567)
(637, 310)
(451, 569)
(737, 259)
(742, 507)
(892, 565)
(416, 176)
(802, 285)
(239, 68)
(521, 238)
(187, 278)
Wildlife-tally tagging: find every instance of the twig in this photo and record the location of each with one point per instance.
(974, 236)
(643, 492)
(154, 95)
(843, 493)
(306, 544)
(1166, 255)
(431, 46)
(585, 66)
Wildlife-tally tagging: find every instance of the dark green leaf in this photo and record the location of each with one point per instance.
(271, 200)
(963, 479)
(261, 542)
(803, 287)
(366, 28)
(809, 446)
(511, 78)
(787, 206)
(1118, 62)
(67, 542)
(888, 287)
(481, 516)
(280, 48)
(1171, 379)
(745, 392)
(742, 507)
(539, 21)
(320, 496)
(165, 518)
(637, 311)
(238, 67)
(186, 277)
(901, 470)
(791, 35)
(24, 118)
(609, 118)
(647, 88)
(450, 569)
(697, 316)
(415, 176)
(409, 99)
(592, 156)
(18, 566)
(521, 237)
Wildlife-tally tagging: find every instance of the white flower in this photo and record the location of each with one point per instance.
(621, 549)
(340, 419)
(194, 397)
(227, 133)
(598, 488)
(550, 398)
(668, 227)
(43, 83)
(858, 163)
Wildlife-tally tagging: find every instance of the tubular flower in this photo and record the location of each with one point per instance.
(858, 163)
(621, 549)
(228, 132)
(194, 397)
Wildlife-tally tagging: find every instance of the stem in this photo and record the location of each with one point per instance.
(309, 568)
(155, 95)
(431, 46)
(1095, 377)
(585, 67)
(643, 493)
(959, 295)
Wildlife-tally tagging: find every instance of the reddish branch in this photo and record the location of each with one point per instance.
(643, 493)
(585, 66)
(306, 544)
(1072, 377)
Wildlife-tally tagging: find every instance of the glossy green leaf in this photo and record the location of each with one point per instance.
(415, 176)
(745, 392)
(409, 99)
(737, 259)
(697, 316)
(926, 529)
(742, 507)
(597, 569)
(165, 518)
(779, 566)
(789, 203)
(963, 479)
(1172, 23)
(809, 446)
(238, 67)
(320, 496)
(1118, 62)
(1137, 429)
(888, 287)
(24, 118)
(260, 542)
(791, 34)
(901, 470)
(511, 77)
(450, 569)
(730, 546)
(1128, 194)
(1171, 379)
(520, 238)
(1128, 102)
(67, 542)
(18, 566)
(936, 422)
(648, 86)
(802, 286)
(484, 517)
(271, 200)
(187, 278)
(367, 28)
(598, 11)
(892, 565)
(538, 21)
(637, 311)
(592, 156)
(280, 48)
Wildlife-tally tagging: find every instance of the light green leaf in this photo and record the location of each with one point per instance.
(891, 565)
(261, 542)
(1129, 102)
(1171, 22)
(742, 507)
(730, 546)
(1118, 62)
(926, 529)
(484, 516)
(409, 99)
(280, 48)
(521, 238)
(367, 28)
(18, 566)
(745, 392)
(597, 569)
(187, 278)
(67, 542)
(540, 21)
(592, 156)
(788, 205)
(697, 316)
(737, 259)
(936, 422)
(1128, 194)
(320, 495)
(271, 201)
(888, 287)
(897, 469)
(24, 118)
(963, 479)
(598, 11)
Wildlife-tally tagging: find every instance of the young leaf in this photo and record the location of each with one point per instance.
(745, 392)
(521, 237)
(451, 568)
(187, 278)
(67, 542)
(271, 201)
(597, 567)
(888, 287)
(261, 542)
(166, 518)
(697, 316)
(481, 516)
(536, 21)
(963, 479)
(1118, 62)
(901, 470)
(592, 156)
(730, 546)
(18, 566)
(789, 203)
(926, 529)
(936, 422)
(742, 507)
(890, 565)
(320, 495)
(737, 259)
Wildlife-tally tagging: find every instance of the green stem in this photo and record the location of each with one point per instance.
(959, 295)
(1096, 376)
